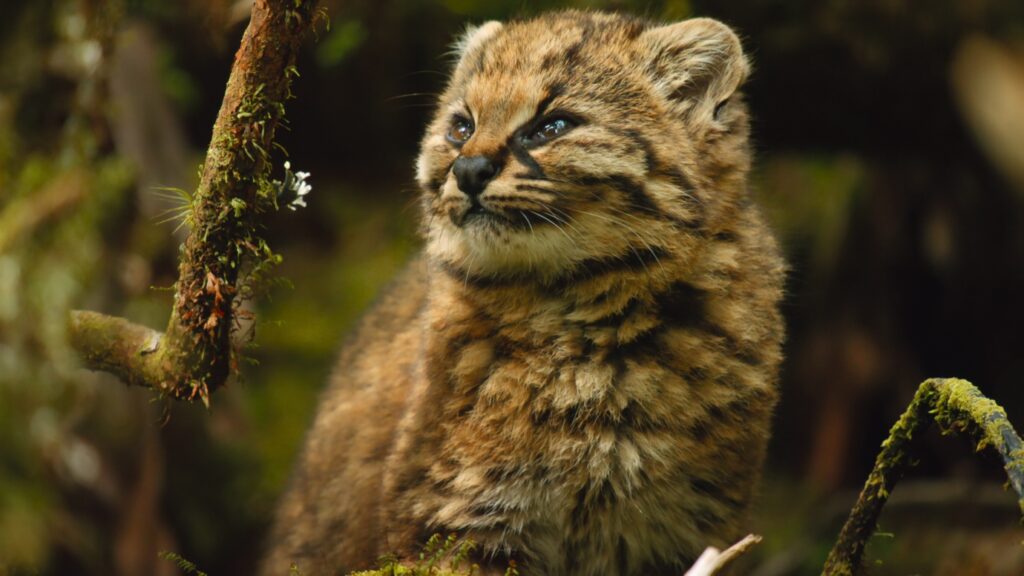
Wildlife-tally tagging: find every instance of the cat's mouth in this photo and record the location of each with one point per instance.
(501, 213)
(476, 214)
(477, 211)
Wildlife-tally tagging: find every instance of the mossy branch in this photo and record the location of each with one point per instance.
(194, 355)
(956, 406)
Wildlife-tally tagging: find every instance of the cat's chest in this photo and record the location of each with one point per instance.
(576, 400)
(574, 442)
(553, 446)
(545, 426)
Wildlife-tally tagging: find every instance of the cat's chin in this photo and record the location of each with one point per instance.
(491, 245)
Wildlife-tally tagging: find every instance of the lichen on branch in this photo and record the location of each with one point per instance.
(955, 406)
(194, 355)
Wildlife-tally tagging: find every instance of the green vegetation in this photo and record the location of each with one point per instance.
(440, 557)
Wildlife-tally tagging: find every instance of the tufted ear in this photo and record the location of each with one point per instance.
(474, 37)
(696, 64)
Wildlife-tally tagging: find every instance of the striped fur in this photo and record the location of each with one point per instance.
(582, 378)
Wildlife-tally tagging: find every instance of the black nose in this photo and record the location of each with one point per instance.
(473, 173)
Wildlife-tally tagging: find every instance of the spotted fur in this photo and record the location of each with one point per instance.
(579, 371)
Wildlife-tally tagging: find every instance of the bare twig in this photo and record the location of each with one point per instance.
(956, 406)
(193, 356)
(712, 560)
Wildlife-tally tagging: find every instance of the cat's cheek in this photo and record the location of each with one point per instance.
(434, 162)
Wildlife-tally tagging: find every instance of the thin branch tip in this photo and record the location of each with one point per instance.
(713, 560)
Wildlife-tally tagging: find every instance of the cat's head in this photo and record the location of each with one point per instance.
(580, 137)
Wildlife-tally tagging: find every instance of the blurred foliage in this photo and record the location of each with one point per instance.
(906, 241)
(50, 148)
(340, 41)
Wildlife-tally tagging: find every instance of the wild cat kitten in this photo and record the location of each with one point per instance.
(579, 370)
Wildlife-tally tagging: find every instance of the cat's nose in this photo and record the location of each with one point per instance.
(473, 173)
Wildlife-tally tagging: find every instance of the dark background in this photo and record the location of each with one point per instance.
(890, 139)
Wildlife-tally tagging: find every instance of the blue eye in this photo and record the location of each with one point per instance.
(549, 130)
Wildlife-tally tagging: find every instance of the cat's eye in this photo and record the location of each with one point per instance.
(718, 109)
(549, 129)
(460, 131)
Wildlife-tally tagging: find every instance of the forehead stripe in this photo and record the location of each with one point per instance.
(553, 91)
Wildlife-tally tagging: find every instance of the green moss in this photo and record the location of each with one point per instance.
(960, 407)
(399, 570)
(440, 557)
(184, 565)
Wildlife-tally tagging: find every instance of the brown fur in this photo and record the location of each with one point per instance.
(583, 379)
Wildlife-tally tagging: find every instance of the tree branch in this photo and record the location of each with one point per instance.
(115, 345)
(956, 406)
(194, 355)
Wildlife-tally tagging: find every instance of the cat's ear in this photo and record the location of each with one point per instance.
(696, 64)
(470, 41)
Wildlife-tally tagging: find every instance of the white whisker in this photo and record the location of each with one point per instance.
(528, 223)
(469, 266)
(555, 224)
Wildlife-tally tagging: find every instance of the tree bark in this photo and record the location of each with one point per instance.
(194, 355)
